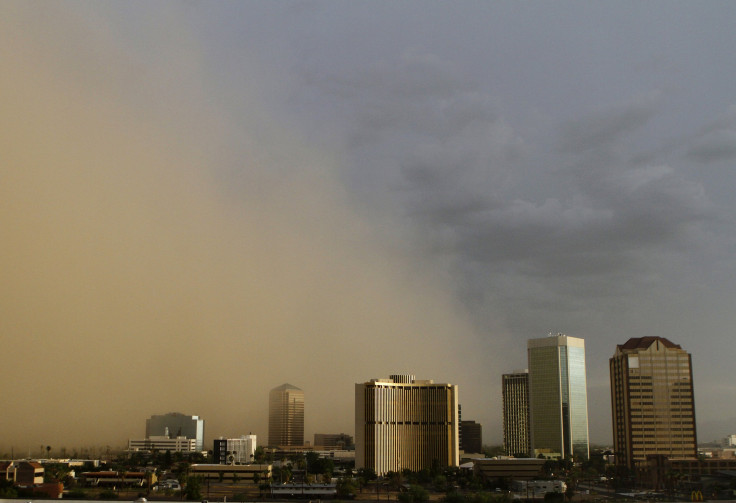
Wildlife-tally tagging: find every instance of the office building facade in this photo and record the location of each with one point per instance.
(405, 423)
(516, 428)
(652, 401)
(471, 437)
(234, 451)
(286, 416)
(176, 424)
(558, 397)
(163, 443)
(333, 440)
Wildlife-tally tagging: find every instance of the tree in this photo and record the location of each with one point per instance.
(260, 455)
(7, 490)
(454, 497)
(346, 487)
(395, 480)
(439, 483)
(311, 460)
(415, 494)
(365, 475)
(193, 490)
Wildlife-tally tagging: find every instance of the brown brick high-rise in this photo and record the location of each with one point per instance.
(652, 401)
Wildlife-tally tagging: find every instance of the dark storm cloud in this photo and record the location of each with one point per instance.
(601, 129)
(715, 146)
(459, 172)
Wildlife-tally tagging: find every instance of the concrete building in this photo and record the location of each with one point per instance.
(333, 440)
(161, 443)
(404, 423)
(516, 428)
(558, 397)
(176, 424)
(234, 451)
(652, 401)
(286, 416)
(23, 473)
(471, 437)
(233, 474)
(509, 468)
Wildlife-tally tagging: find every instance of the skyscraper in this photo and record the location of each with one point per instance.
(558, 398)
(515, 393)
(471, 437)
(404, 423)
(286, 416)
(176, 424)
(652, 401)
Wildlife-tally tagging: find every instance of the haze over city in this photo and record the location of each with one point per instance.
(202, 201)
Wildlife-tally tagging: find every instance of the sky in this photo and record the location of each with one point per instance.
(202, 201)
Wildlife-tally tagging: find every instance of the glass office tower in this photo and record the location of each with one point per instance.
(558, 397)
(286, 416)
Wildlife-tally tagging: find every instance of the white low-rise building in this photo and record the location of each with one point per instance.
(163, 443)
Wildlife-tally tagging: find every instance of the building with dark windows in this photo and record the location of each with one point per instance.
(174, 425)
(515, 394)
(331, 441)
(404, 423)
(652, 401)
(234, 451)
(286, 417)
(471, 437)
(558, 397)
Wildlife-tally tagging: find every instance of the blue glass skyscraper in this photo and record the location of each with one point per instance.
(558, 398)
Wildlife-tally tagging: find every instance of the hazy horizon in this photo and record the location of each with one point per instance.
(200, 202)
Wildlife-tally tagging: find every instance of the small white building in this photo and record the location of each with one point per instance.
(538, 488)
(163, 443)
(235, 451)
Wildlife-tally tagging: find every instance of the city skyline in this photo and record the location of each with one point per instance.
(199, 202)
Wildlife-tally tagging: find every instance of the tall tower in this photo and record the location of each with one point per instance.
(404, 423)
(652, 401)
(516, 434)
(286, 416)
(558, 397)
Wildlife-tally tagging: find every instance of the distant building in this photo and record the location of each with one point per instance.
(652, 401)
(333, 440)
(403, 423)
(22, 473)
(117, 479)
(314, 491)
(509, 468)
(234, 451)
(471, 437)
(161, 443)
(175, 424)
(286, 416)
(558, 397)
(537, 489)
(729, 441)
(252, 474)
(516, 428)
